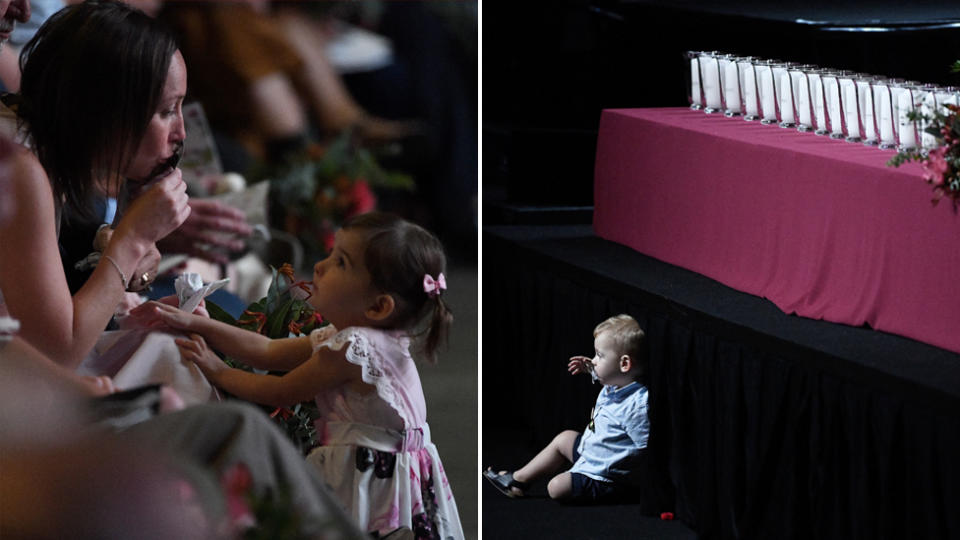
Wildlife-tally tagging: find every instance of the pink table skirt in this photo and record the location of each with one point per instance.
(822, 228)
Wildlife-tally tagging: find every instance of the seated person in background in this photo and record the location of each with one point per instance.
(183, 474)
(277, 85)
(605, 457)
(30, 15)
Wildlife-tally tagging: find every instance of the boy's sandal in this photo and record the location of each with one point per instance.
(506, 484)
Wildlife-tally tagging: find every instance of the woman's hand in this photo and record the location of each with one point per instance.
(156, 212)
(213, 231)
(580, 364)
(146, 270)
(196, 350)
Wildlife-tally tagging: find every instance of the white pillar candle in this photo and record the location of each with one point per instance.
(866, 110)
(943, 98)
(748, 85)
(786, 99)
(801, 93)
(833, 105)
(908, 138)
(883, 112)
(778, 73)
(928, 105)
(695, 80)
(849, 89)
(767, 93)
(710, 80)
(816, 95)
(731, 85)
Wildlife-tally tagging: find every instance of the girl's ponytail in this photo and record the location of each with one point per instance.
(438, 330)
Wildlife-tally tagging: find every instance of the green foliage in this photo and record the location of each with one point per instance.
(276, 316)
(303, 174)
(276, 517)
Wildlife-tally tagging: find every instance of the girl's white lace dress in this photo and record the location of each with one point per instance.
(376, 453)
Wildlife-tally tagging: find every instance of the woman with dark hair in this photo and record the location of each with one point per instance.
(99, 108)
(154, 478)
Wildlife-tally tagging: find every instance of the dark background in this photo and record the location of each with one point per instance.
(764, 425)
(549, 68)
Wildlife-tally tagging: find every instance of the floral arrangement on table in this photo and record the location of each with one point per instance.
(941, 166)
(283, 312)
(316, 189)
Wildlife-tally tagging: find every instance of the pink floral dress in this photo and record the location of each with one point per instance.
(376, 453)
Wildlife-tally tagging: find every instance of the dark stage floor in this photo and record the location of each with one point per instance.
(768, 425)
(537, 516)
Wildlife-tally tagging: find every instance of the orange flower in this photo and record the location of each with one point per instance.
(294, 327)
(287, 271)
(342, 183)
(284, 413)
(316, 151)
(259, 318)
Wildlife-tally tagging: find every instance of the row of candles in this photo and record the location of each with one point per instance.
(857, 107)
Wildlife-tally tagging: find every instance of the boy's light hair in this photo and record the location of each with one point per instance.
(627, 337)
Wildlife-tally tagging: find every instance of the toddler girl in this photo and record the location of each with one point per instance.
(382, 280)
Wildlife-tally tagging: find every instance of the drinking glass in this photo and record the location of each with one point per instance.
(710, 82)
(694, 92)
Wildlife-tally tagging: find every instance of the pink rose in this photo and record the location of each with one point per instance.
(237, 482)
(362, 198)
(935, 167)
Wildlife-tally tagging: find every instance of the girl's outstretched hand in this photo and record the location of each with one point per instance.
(155, 314)
(196, 350)
(579, 364)
(146, 315)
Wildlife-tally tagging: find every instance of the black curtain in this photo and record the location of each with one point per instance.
(750, 437)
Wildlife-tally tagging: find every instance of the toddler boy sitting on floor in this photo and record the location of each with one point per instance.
(606, 456)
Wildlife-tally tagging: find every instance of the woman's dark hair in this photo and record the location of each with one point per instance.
(398, 255)
(92, 78)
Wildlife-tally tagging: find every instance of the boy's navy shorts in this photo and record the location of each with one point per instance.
(586, 490)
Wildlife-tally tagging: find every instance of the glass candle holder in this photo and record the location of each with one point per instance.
(692, 79)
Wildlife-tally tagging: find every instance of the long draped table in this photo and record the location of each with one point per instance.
(823, 228)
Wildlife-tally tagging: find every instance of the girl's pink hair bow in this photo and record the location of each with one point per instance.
(432, 287)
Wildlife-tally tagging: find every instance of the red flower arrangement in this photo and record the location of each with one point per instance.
(313, 192)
